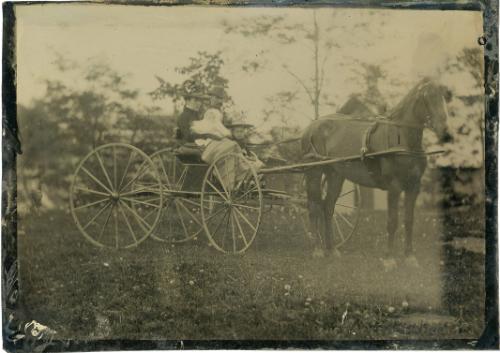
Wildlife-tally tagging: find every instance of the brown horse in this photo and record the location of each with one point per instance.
(339, 135)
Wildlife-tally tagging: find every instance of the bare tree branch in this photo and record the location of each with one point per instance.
(299, 80)
(322, 77)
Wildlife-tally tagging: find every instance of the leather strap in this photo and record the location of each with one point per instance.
(365, 140)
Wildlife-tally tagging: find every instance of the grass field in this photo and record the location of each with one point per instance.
(277, 290)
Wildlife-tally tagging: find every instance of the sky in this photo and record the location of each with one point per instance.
(145, 42)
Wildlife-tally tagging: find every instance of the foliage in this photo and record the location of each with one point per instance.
(319, 39)
(71, 119)
(204, 69)
(466, 112)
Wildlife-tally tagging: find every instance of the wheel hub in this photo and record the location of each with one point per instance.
(115, 196)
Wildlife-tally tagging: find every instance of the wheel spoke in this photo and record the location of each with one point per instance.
(338, 228)
(245, 219)
(101, 163)
(221, 180)
(115, 173)
(92, 204)
(142, 223)
(241, 230)
(225, 228)
(106, 222)
(129, 226)
(191, 214)
(181, 218)
(137, 191)
(245, 206)
(125, 171)
(218, 225)
(92, 191)
(345, 220)
(255, 187)
(180, 182)
(96, 180)
(153, 199)
(141, 202)
(115, 216)
(215, 214)
(96, 215)
(216, 190)
(346, 193)
(341, 205)
(142, 169)
(164, 171)
(197, 204)
(232, 231)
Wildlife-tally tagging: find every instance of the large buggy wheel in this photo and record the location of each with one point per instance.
(105, 192)
(347, 213)
(180, 220)
(231, 203)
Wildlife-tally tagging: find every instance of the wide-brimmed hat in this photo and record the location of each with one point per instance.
(237, 122)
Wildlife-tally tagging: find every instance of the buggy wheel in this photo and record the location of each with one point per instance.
(180, 220)
(231, 204)
(104, 195)
(347, 213)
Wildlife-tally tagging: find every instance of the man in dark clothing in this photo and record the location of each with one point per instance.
(191, 112)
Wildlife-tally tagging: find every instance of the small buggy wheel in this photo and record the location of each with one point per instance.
(347, 213)
(180, 220)
(107, 187)
(231, 203)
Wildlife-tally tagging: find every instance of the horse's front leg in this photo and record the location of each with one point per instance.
(392, 224)
(410, 200)
(392, 218)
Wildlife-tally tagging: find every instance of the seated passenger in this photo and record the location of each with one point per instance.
(217, 140)
(194, 100)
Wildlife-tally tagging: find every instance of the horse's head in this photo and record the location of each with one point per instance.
(434, 110)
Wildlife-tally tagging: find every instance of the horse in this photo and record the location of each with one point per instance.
(338, 135)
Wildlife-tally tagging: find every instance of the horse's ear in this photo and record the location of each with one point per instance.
(447, 93)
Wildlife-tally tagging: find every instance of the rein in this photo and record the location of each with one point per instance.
(265, 144)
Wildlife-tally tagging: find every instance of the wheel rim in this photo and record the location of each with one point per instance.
(231, 204)
(104, 199)
(180, 220)
(346, 216)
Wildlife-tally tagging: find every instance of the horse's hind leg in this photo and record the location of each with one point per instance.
(314, 202)
(410, 200)
(334, 183)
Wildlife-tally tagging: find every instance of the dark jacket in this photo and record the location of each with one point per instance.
(184, 121)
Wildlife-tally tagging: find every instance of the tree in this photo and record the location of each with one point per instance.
(471, 60)
(204, 69)
(71, 119)
(319, 39)
(369, 102)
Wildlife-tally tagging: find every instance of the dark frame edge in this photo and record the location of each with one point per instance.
(11, 146)
(490, 337)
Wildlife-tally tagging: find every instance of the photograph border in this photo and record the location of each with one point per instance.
(13, 319)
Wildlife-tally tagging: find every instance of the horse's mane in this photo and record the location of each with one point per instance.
(397, 111)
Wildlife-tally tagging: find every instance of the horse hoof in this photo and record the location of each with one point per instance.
(389, 264)
(318, 253)
(411, 261)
